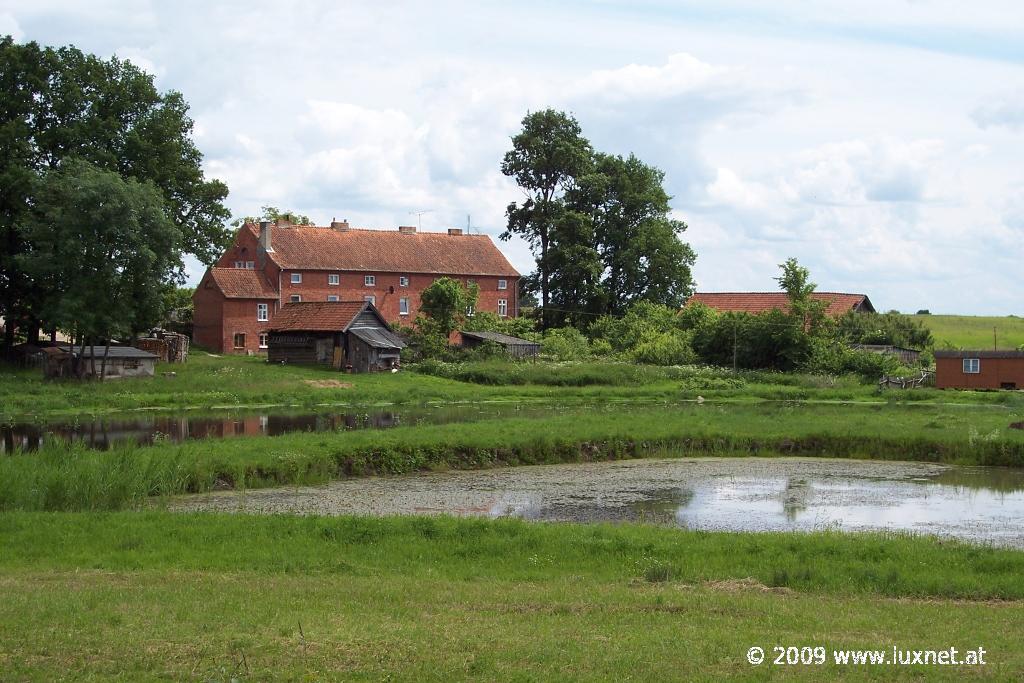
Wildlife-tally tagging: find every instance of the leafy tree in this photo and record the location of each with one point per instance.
(101, 247)
(884, 328)
(445, 304)
(177, 304)
(58, 104)
(272, 213)
(574, 265)
(546, 159)
(638, 243)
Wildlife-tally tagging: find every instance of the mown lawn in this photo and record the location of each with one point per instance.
(974, 332)
(132, 596)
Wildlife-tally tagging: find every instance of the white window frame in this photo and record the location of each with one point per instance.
(296, 278)
(264, 340)
(239, 264)
(295, 299)
(250, 265)
(502, 284)
(333, 279)
(371, 298)
(262, 313)
(332, 297)
(403, 280)
(369, 280)
(503, 308)
(470, 311)
(403, 305)
(972, 366)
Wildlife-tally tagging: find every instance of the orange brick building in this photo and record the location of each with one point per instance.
(979, 369)
(272, 264)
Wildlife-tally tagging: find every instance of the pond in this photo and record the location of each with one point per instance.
(982, 504)
(102, 433)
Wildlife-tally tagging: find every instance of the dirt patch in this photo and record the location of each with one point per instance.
(747, 584)
(328, 383)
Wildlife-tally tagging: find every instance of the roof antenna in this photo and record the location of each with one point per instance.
(419, 218)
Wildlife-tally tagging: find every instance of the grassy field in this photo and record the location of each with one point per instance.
(132, 596)
(974, 332)
(208, 384)
(64, 478)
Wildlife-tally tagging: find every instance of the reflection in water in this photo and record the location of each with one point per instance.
(736, 494)
(103, 434)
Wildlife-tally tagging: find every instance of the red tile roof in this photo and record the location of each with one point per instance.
(239, 283)
(759, 302)
(320, 248)
(317, 316)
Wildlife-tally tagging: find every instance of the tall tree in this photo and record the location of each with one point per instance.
(637, 240)
(545, 160)
(61, 103)
(272, 213)
(445, 303)
(101, 247)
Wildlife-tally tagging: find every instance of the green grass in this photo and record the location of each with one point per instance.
(60, 477)
(974, 332)
(208, 384)
(132, 596)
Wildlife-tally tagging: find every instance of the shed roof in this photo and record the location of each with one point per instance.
(319, 316)
(241, 283)
(114, 352)
(760, 302)
(380, 338)
(979, 354)
(499, 338)
(309, 247)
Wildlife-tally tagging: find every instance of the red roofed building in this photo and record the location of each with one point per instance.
(760, 302)
(272, 264)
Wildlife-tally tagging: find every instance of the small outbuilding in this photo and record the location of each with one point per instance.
(905, 355)
(120, 361)
(514, 346)
(979, 369)
(347, 335)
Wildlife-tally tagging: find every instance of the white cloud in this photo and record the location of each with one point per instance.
(9, 26)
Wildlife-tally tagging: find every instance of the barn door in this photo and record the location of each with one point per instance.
(323, 350)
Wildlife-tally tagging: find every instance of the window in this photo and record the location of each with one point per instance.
(403, 280)
(263, 340)
(250, 265)
(972, 366)
(296, 278)
(239, 340)
(369, 280)
(470, 311)
(262, 312)
(334, 279)
(372, 299)
(503, 307)
(239, 264)
(295, 298)
(332, 297)
(502, 284)
(403, 306)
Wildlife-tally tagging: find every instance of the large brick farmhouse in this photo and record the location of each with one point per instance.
(272, 264)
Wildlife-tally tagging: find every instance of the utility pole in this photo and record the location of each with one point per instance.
(734, 343)
(995, 340)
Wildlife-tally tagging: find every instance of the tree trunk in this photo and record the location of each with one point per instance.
(106, 354)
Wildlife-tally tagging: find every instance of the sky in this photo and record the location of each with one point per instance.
(878, 142)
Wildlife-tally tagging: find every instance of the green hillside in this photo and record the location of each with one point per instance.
(974, 332)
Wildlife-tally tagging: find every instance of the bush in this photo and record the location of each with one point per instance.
(566, 343)
(671, 348)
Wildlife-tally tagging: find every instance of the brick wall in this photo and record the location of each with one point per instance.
(207, 319)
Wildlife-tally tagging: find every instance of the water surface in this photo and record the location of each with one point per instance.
(983, 504)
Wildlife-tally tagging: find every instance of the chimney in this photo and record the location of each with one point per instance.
(283, 222)
(265, 236)
(454, 231)
(407, 229)
(340, 226)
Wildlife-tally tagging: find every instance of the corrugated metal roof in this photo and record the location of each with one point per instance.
(499, 338)
(761, 302)
(322, 248)
(115, 352)
(979, 354)
(378, 338)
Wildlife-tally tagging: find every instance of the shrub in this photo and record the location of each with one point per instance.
(566, 343)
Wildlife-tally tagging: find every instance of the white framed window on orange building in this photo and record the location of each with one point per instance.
(369, 280)
(239, 340)
(403, 280)
(972, 366)
(296, 278)
(502, 284)
(295, 298)
(262, 312)
(403, 305)
(371, 299)
(333, 279)
(263, 340)
(332, 297)
(503, 307)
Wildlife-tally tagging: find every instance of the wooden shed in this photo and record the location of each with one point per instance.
(120, 361)
(514, 346)
(979, 369)
(347, 335)
(905, 355)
